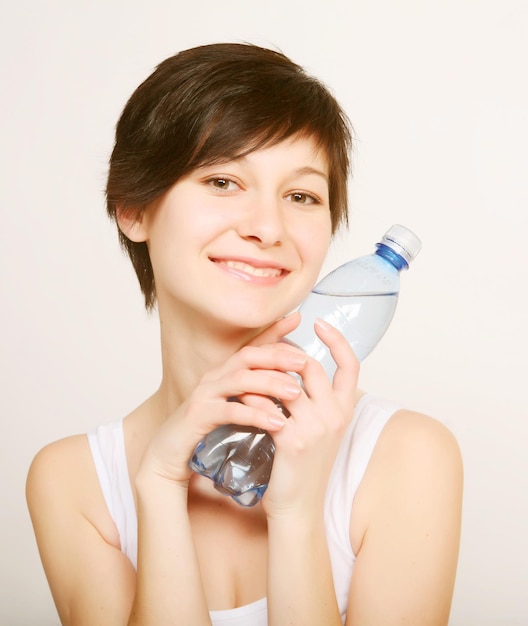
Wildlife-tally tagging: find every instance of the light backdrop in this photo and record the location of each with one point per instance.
(437, 92)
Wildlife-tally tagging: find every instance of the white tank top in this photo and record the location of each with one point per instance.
(107, 445)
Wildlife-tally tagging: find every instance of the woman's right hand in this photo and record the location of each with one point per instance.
(260, 369)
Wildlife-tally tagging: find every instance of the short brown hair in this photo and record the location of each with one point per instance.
(211, 104)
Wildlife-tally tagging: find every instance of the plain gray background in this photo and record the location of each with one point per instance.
(437, 92)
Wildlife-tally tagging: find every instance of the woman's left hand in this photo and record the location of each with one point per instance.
(307, 445)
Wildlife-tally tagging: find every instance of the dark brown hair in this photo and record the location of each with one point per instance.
(210, 104)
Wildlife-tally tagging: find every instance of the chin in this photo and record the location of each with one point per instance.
(251, 324)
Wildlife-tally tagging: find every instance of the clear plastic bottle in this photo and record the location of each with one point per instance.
(358, 298)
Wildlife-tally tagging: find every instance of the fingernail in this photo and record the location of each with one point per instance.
(322, 324)
(292, 390)
(297, 358)
(278, 422)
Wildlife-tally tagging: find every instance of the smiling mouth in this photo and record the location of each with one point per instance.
(258, 272)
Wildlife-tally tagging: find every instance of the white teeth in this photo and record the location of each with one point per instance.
(254, 271)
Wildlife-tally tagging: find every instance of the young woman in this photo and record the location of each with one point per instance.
(227, 179)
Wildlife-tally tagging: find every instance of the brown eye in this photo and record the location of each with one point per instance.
(222, 183)
(299, 197)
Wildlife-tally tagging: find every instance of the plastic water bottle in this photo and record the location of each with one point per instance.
(358, 298)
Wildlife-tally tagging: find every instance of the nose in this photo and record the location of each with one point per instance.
(263, 221)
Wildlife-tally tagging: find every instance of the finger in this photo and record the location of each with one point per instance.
(260, 413)
(266, 403)
(347, 372)
(265, 383)
(278, 330)
(278, 357)
(315, 379)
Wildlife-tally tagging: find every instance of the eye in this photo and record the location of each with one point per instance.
(222, 183)
(301, 197)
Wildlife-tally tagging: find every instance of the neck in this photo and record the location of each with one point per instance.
(188, 351)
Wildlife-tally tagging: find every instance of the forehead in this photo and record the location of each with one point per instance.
(301, 154)
(225, 141)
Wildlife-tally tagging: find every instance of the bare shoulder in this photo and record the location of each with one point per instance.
(91, 580)
(414, 449)
(62, 479)
(405, 525)
(414, 437)
(57, 466)
(60, 452)
(416, 462)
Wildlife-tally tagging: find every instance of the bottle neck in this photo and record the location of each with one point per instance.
(392, 257)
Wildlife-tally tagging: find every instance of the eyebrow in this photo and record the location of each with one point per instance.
(311, 170)
(305, 170)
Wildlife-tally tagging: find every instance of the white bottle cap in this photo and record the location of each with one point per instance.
(403, 241)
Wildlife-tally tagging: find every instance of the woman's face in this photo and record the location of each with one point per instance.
(241, 243)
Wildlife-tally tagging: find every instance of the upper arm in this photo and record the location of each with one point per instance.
(92, 582)
(409, 508)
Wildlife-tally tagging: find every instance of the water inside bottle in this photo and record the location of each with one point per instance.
(361, 318)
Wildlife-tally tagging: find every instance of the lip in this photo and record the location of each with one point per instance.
(251, 270)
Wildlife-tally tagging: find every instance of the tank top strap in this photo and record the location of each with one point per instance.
(107, 444)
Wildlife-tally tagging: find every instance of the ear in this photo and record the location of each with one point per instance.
(131, 223)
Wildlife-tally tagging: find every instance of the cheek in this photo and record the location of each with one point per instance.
(316, 241)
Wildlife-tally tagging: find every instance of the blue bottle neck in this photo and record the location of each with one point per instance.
(392, 257)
